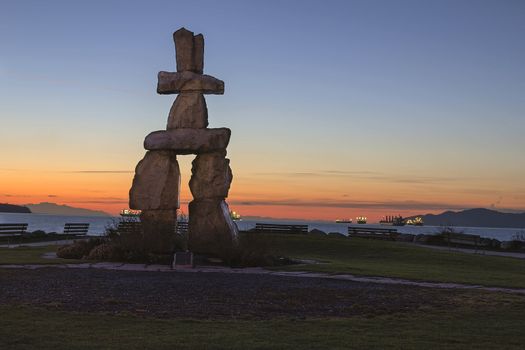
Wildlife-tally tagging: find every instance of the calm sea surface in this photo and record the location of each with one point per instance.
(55, 223)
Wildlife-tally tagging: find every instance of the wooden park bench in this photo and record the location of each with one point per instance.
(278, 228)
(76, 229)
(12, 230)
(182, 227)
(136, 226)
(374, 233)
(125, 227)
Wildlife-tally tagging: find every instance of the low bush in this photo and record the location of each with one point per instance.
(105, 251)
(79, 249)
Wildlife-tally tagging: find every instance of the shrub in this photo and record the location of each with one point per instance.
(105, 251)
(316, 232)
(38, 234)
(79, 249)
(517, 241)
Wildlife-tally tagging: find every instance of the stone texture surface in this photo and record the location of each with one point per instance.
(179, 82)
(159, 230)
(188, 141)
(189, 51)
(211, 229)
(198, 53)
(188, 111)
(156, 183)
(211, 176)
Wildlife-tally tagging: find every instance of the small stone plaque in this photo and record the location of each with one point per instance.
(183, 260)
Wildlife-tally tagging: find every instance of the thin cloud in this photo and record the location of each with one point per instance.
(366, 175)
(399, 205)
(100, 171)
(101, 202)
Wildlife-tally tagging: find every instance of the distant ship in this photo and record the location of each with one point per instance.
(417, 221)
(361, 219)
(235, 216)
(393, 221)
(343, 221)
(130, 213)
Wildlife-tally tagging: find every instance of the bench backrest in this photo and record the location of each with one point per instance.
(74, 228)
(10, 229)
(278, 228)
(129, 227)
(182, 227)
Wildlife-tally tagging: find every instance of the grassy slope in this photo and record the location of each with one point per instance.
(403, 260)
(31, 255)
(482, 320)
(497, 324)
(360, 257)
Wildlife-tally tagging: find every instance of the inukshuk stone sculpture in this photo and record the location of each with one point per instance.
(156, 185)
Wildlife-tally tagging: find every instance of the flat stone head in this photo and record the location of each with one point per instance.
(189, 51)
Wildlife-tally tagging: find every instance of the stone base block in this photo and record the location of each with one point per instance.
(159, 228)
(211, 229)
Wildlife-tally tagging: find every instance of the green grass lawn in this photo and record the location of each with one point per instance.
(395, 259)
(359, 257)
(477, 319)
(490, 322)
(31, 255)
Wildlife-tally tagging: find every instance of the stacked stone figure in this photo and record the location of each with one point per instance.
(156, 185)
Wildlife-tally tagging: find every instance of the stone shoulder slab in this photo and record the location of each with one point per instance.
(188, 141)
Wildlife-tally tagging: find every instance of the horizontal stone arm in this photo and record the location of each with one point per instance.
(189, 141)
(178, 82)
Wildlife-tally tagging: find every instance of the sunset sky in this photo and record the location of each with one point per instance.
(337, 108)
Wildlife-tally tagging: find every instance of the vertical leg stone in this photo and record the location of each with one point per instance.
(156, 183)
(159, 227)
(211, 176)
(211, 229)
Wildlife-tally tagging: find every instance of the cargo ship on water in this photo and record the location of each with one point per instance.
(129, 213)
(235, 216)
(343, 221)
(361, 220)
(417, 221)
(393, 221)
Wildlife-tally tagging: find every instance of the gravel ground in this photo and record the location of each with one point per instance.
(209, 295)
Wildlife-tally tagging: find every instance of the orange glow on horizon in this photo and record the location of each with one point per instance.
(290, 197)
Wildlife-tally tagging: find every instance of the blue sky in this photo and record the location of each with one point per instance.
(397, 88)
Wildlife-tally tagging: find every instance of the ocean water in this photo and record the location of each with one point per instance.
(55, 223)
(502, 234)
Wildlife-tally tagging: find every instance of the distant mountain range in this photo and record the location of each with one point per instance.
(478, 217)
(66, 210)
(12, 208)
